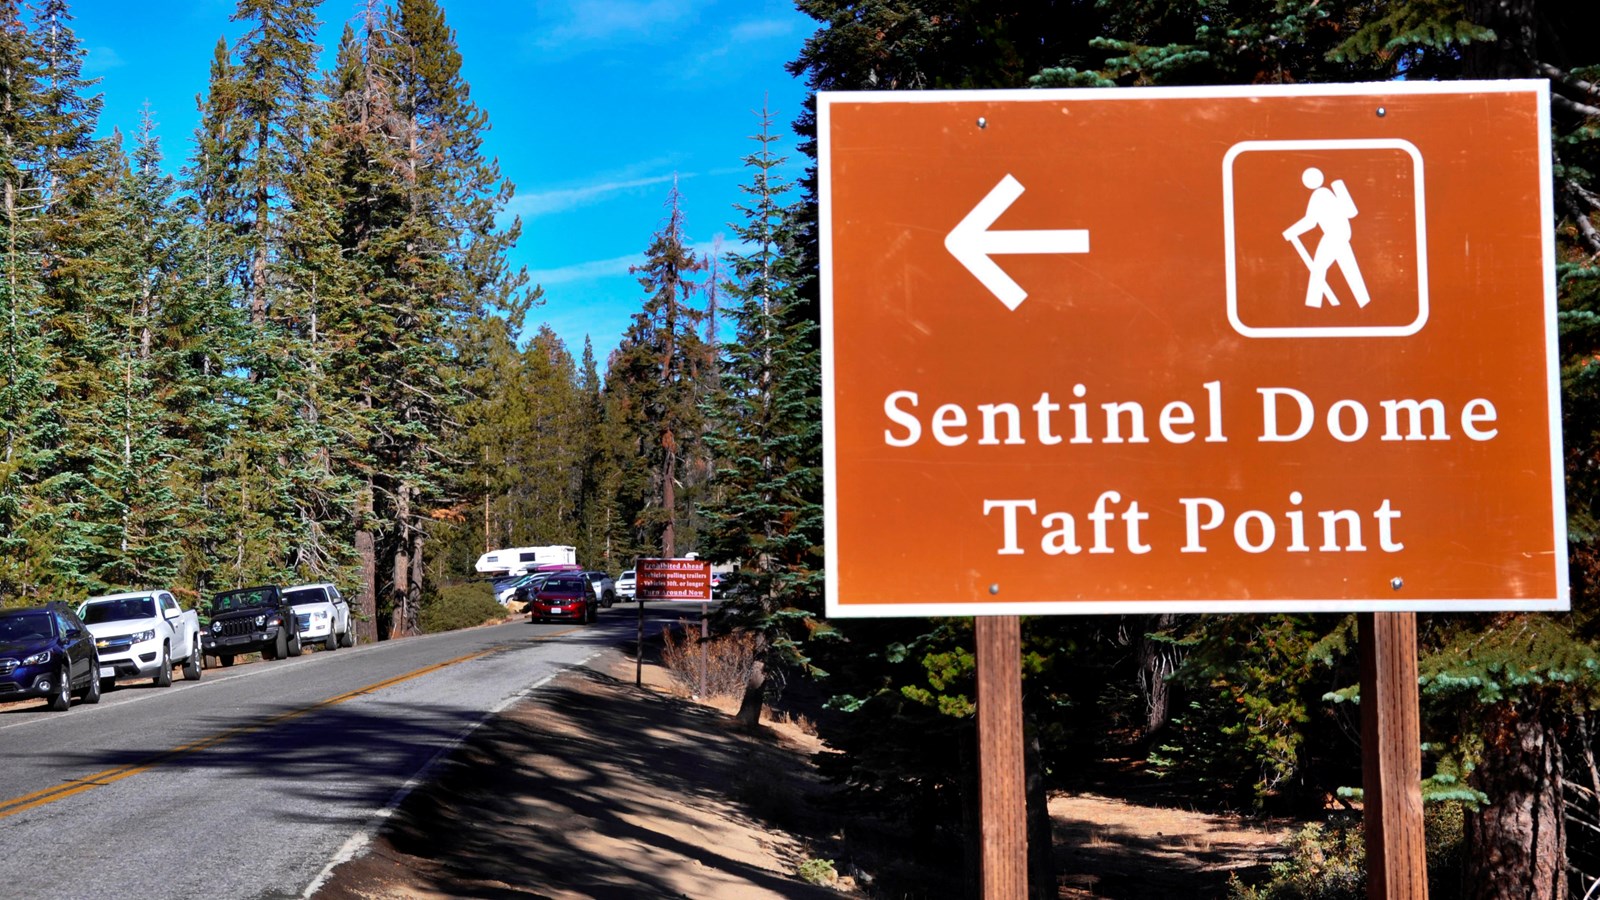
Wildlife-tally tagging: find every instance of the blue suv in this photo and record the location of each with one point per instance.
(47, 652)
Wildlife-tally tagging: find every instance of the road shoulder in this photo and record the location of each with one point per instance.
(592, 787)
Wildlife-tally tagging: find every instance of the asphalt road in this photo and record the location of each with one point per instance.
(248, 782)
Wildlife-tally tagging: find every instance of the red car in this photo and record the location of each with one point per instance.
(564, 595)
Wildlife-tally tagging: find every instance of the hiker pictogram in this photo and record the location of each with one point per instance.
(1329, 210)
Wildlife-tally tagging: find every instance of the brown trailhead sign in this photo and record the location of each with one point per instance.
(1221, 349)
(673, 578)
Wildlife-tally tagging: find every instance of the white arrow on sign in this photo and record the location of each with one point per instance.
(972, 243)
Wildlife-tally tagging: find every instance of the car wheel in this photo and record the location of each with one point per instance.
(278, 649)
(91, 694)
(294, 647)
(348, 639)
(331, 642)
(225, 660)
(610, 599)
(194, 665)
(164, 673)
(61, 700)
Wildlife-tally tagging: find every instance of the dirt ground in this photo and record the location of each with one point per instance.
(596, 788)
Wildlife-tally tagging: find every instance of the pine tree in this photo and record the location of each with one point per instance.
(312, 321)
(27, 413)
(146, 479)
(428, 260)
(659, 366)
(253, 142)
(597, 537)
(767, 437)
(86, 285)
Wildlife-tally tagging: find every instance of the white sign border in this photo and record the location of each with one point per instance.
(978, 607)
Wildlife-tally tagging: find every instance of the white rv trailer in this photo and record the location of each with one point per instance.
(522, 560)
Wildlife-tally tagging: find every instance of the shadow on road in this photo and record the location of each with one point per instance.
(330, 753)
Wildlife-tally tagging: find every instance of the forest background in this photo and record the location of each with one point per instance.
(300, 360)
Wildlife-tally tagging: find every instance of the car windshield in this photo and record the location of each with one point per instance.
(309, 595)
(245, 599)
(628, 575)
(34, 626)
(123, 609)
(563, 583)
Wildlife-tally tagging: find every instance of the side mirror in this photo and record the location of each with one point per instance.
(172, 612)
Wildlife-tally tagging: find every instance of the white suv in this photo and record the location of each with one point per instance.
(324, 615)
(625, 585)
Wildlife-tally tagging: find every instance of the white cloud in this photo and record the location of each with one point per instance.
(534, 204)
(586, 271)
(596, 269)
(101, 59)
(762, 29)
(610, 21)
(720, 49)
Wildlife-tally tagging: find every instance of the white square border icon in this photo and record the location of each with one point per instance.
(1412, 327)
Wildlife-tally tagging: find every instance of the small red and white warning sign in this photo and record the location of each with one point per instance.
(673, 579)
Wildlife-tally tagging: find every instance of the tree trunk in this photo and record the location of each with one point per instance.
(1511, 54)
(971, 816)
(367, 592)
(749, 714)
(669, 495)
(1157, 662)
(414, 588)
(1041, 841)
(400, 615)
(1516, 845)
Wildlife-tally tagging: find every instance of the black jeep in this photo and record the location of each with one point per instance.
(248, 620)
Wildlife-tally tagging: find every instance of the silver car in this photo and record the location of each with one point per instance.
(605, 590)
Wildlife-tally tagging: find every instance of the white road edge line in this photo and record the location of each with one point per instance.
(359, 841)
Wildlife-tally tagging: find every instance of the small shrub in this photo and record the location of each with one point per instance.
(1326, 862)
(460, 606)
(723, 662)
(817, 871)
(1330, 862)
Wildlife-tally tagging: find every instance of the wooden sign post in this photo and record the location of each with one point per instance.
(1002, 777)
(1391, 758)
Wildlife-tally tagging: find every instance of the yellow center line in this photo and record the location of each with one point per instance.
(111, 776)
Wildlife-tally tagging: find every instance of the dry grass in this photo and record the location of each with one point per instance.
(799, 721)
(710, 667)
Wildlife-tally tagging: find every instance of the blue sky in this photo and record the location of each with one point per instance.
(595, 107)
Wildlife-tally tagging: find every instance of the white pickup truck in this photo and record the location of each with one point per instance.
(142, 634)
(324, 615)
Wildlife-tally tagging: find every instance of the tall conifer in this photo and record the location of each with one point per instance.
(428, 259)
(767, 437)
(658, 367)
(27, 413)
